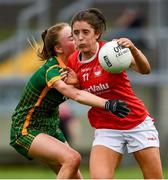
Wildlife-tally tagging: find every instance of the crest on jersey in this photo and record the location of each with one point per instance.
(97, 71)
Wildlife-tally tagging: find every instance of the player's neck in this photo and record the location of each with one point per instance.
(63, 58)
(87, 56)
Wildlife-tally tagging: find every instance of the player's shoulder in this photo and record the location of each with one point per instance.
(51, 61)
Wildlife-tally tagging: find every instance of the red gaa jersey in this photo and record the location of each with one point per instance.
(94, 79)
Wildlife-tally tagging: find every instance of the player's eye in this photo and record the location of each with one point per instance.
(75, 32)
(85, 32)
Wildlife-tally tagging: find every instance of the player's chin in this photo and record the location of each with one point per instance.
(83, 49)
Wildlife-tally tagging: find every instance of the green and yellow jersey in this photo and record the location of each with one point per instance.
(37, 110)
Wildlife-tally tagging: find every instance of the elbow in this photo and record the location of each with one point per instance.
(147, 71)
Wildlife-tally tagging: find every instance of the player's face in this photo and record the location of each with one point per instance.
(84, 36)
(66, 41)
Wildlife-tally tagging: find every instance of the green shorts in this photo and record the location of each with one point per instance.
(22, 143)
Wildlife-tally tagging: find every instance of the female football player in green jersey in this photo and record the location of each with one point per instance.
(35, 129)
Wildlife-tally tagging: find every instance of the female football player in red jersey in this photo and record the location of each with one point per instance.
(113, 134)
(35, 129)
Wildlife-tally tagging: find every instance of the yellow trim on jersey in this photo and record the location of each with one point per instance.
(51, 68)
(50, 83)
(29, 115)
(61, 65)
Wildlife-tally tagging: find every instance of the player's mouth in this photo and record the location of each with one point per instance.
(80, 46)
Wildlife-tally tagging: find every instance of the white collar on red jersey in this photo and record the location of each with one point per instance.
(90, 59)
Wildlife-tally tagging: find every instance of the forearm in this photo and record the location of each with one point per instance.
(80, 96)
(117, 107)
(86, 98)
(141, 63)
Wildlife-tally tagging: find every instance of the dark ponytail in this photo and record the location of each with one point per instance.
(44, 53)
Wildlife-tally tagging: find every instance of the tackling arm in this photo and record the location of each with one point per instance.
(80, 96)
(117, 107)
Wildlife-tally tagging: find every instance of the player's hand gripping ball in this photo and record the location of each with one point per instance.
(114, 58)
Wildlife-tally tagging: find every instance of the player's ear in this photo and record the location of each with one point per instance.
(58, 48)
(97, 35)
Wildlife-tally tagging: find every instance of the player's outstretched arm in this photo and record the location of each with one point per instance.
(117, 107)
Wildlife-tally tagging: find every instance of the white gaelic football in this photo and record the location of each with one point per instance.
(114, 58)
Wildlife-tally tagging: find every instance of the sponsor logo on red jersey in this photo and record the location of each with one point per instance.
(98, 88)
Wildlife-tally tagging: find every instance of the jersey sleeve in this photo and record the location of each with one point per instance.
(52, 75)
